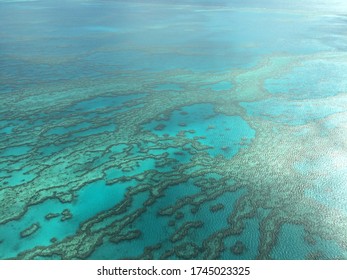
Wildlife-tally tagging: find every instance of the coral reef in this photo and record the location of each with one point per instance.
(238, 248)
(171, 164)
(30, 230)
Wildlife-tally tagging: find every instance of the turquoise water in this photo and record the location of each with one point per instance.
(200, 120)
(292, 112)
(103, 102)
(173, 129)
(83, 208)
(317, 248)
(295, 84)
(223, 85)
(168, 87)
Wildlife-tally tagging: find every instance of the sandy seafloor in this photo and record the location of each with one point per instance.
(173, 129)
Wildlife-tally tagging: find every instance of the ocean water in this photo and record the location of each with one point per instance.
(173, 129)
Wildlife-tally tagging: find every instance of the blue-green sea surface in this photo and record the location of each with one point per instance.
(173, 129)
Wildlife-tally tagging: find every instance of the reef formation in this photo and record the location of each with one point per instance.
(176, 164)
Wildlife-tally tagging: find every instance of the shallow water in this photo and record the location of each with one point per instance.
(173, 129)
